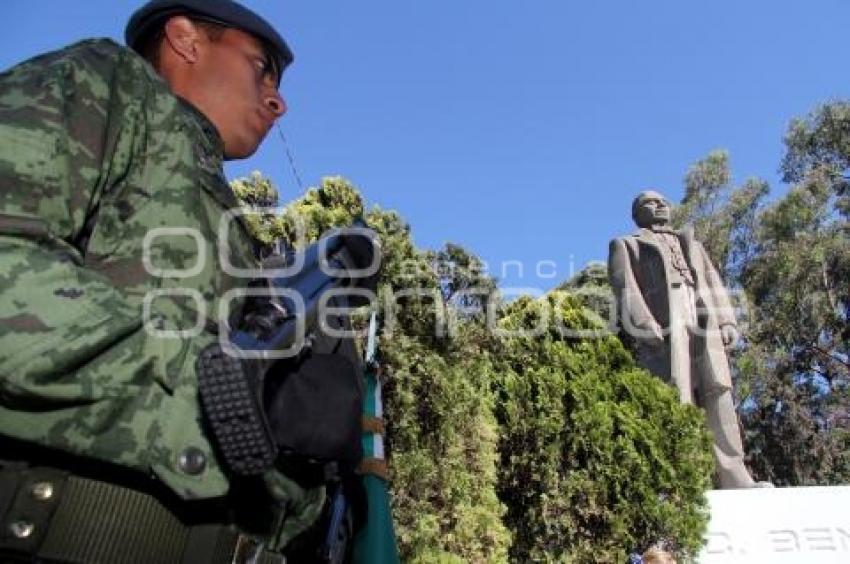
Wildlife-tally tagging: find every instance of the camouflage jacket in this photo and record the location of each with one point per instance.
(115, 250)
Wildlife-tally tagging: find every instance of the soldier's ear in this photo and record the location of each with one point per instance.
(182, 36)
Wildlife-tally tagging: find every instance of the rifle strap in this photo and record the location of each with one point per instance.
(373, 425)
(376, 467)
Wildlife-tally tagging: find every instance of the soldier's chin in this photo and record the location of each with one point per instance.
(241, 148)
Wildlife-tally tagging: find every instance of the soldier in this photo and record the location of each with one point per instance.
(672, 301)
(112, 263)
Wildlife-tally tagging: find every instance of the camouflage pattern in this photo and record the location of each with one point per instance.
(95, 152)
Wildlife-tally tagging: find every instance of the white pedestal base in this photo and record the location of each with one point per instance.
(778, 526)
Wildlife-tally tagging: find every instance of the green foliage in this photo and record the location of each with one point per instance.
(439, 407)
(721, 215)
(820, 144)
(544, 447)
(463, 282)
(258, 197)
(255, 191)
(598, 456)
(334, 204)
(791, 259)
(591, 287)
(443, 438)
(550, 445)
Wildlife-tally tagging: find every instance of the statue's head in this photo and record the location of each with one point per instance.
(650, 208)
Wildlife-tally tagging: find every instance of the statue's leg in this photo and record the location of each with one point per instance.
(728, 450)
(681, 369)
(714, 393)
(681, 348)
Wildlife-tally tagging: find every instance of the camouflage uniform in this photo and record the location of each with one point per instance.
(95, 153)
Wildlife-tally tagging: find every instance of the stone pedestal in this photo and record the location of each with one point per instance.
(778, 526)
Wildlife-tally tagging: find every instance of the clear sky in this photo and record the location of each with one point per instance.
(519, 129)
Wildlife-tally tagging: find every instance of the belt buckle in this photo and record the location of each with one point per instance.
(247, 551)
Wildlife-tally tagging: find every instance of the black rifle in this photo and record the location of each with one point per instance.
(276, 322)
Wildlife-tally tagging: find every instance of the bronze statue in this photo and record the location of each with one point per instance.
(673, 303)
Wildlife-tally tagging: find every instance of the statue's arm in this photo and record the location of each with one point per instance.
(719, 296)
(634, 314)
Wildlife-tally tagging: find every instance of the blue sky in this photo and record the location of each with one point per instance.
(521, 130)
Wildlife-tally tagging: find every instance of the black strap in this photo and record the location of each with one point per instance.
(33, 503)
(210, 544)
(9, 485)
(99, 522)
(57, 517)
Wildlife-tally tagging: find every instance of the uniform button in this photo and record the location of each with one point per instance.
(22, 529)
(192, 461)
(42, 491)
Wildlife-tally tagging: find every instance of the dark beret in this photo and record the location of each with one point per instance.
(224, 12)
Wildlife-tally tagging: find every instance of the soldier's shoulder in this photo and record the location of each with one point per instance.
(102, 46)
(101, 50)
(99, 56)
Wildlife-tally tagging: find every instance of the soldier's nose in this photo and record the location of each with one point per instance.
(275, 104)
